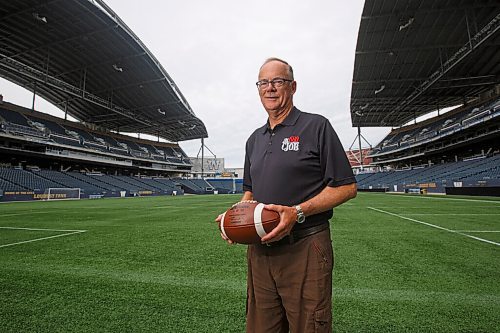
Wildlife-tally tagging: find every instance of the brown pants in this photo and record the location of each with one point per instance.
(289, 287)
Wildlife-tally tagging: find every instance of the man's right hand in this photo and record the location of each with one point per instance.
(218, 220)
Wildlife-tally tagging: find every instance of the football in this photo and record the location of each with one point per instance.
(247, 222)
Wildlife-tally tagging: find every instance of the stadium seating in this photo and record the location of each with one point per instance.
(27, 180)
(194, 186)
(7, 185)
(101, 185)
(483, 171)
(169, 185)
(13, 117)
(70, 180)
(14, 123)
(449, 123)
(57, 132)
(134, 182)
(223, 186)
(90, 184)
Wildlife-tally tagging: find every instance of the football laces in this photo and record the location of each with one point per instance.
(244, 201)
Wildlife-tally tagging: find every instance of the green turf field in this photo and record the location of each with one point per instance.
(403, 264)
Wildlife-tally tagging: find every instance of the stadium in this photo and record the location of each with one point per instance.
(416, 251)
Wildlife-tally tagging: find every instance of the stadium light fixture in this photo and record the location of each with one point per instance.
(379, 90)
(40, 18)
(160, 111)
(117, 68)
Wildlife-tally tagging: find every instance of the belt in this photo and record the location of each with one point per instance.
(299, 234)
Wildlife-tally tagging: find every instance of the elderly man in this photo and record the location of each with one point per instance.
(295, 163)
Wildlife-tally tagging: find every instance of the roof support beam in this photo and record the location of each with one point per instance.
(409, 49)
(61, 41)
(135, 84)
(108, 62)
(13, 65)
(411, 12)
(486, 32)
(482, 78)
(27, 9)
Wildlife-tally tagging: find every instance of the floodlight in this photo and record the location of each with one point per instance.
(407, 24)
(40, 18)
(117, 68)
(379, 90)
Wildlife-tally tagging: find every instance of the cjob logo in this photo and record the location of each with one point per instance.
(291, 143)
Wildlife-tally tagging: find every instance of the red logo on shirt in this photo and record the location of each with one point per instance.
(290, 144)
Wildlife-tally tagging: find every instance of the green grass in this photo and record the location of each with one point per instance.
(158, 265)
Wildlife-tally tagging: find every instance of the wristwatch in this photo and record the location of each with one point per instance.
(301, 217)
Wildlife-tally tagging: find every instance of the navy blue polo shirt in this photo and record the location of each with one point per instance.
(294, 162)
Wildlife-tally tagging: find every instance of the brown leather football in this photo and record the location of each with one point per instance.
(247, 222)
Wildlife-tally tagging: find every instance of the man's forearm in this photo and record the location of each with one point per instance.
(328, 198)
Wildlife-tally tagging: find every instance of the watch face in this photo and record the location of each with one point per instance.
(300, 215)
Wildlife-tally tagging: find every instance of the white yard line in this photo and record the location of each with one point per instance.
(420, 207)
(452, 214)
(40, 229)
(477, 230)
(66, 233)
(50, 211)
(27, 213)
(434, 226)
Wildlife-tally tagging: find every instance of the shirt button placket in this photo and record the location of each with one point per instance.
(270, 144)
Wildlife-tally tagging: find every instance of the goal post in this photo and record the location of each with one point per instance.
(63, 193)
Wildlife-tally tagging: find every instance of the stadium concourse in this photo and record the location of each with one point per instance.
(81, 57)
(437, 60)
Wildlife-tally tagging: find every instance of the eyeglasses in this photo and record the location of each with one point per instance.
(276, 82)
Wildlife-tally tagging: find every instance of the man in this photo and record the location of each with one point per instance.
(295, 164)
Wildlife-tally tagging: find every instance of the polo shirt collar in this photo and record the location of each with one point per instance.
(290, 120)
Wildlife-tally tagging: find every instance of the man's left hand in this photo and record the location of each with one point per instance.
(288, 218)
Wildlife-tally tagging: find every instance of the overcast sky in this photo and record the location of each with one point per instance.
(213, 50)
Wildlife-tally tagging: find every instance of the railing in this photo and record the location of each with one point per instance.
(476, 117)
(20, 129)
(139, 153)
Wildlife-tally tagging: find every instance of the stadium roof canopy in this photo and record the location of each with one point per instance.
(417, 56)
(81, 57)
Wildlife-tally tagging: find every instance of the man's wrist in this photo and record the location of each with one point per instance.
(301, 217)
